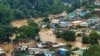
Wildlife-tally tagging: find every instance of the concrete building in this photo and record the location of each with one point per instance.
(78, 11)
(50, 53)
(55, 21)
(75, 23)
(84, 24)
(93, 20)
(97, 2)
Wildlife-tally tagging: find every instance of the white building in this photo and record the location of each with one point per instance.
(83, 24)
(97, 9)
(97, 2)
(55, 21)
(75, 23)
(93, 20)
(78, 11)
(2, 51)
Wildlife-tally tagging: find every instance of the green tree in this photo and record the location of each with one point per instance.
(67, 35)
(32, 23)
(5, 32)
(92, 51)
(94, 36)
(91, 2)
(46, 20)
(28, 31)
(88, 15)
(5, 15)
(85, 40)
(19, 9)
(18, 14)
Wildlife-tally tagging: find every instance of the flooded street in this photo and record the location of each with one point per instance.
(47, 35)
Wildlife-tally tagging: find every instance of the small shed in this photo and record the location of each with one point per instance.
(62, 51)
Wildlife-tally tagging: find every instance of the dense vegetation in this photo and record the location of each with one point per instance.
(5, 32)
(20, 9)
(66, 35)
(29, 31)
(93, 38)
(92, 51)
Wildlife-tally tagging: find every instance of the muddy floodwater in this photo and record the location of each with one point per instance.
(47, 35)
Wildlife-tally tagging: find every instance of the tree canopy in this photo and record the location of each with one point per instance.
(92, 51)
(29, 31)
(67, 35)
(5, 32)
(94, 37)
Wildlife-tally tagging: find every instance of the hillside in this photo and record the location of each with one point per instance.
(20, 9)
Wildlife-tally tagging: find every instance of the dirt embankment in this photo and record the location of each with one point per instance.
(19, 23)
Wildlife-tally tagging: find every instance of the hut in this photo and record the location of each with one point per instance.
(62, 51)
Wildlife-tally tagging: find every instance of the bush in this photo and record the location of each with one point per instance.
(85, 40)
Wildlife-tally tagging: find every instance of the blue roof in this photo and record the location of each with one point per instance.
(71, 15)
(63, 24)
(82, 13)
(53, 26)
(62, 51)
